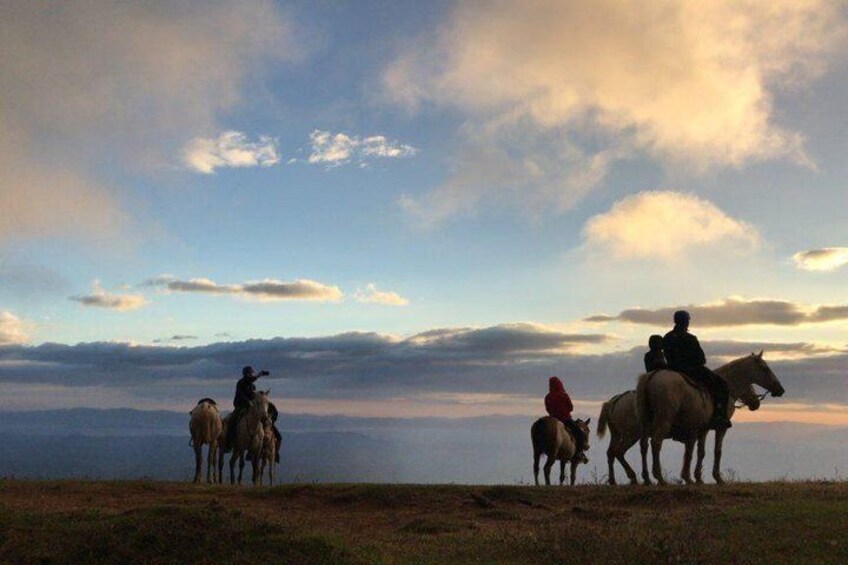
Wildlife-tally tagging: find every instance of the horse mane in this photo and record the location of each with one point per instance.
(209, 400)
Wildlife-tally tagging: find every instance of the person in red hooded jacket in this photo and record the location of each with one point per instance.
(559, 405)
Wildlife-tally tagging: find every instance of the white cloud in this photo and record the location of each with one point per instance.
(339, 148)
(826, 259)
(371, 295)
(230, 149)
(131, 79)
(688, 83)
(626, 230)
(12, 329)
(99, 298)
(268, 290)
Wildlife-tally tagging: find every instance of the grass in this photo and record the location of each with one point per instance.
(130, 522)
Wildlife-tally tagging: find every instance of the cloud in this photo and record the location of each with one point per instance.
(338, 149)
(507, 359)
(554, 84)
(133, 80)
(359, 359)
(99, 298)
(733, 311)
(230, 149)
(371, 295)
(826, 259)
(12, 329)
(695, 222)
(176, 337)
(266, 290)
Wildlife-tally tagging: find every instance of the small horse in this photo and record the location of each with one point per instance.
(551, 438)
(250, 434)
(205, 428)
(668, 405)
(268, 453)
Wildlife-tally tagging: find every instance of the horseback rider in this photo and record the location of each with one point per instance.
(559, 405)
(685, 355)
(245, 391)
(655, 358)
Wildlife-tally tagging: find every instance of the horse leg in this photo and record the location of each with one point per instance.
(699, 465)
(210, 462)
(611, 452)
(687, 461)
(643, 448)
(241, 466)
(221, 454)
(254, 466)
(536, 456)
(233, 458)
(548, 464)
(656, 448)
(198, 458)
(631, 474)
(561, 471)
(573, 472)
(719, 440)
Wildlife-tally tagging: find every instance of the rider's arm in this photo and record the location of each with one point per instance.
(697, 351)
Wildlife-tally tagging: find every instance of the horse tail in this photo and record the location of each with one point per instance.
(643, 404)
(536, 433)
(603, 418)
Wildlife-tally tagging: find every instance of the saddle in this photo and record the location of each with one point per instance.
(694, 383)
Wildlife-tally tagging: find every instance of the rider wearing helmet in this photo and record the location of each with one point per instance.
(685, 355)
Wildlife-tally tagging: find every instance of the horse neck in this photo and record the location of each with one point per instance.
(737, 375)
(254, 414)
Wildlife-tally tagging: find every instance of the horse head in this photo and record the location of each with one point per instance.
(763, 376)
(752, 370)
(583, 425)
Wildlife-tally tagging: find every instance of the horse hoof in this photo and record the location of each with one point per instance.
(612, 482)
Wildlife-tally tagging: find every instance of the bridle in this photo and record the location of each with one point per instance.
(760, 397)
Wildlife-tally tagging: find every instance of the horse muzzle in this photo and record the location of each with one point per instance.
(779, 392)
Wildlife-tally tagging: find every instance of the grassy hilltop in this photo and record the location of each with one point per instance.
(119, 522)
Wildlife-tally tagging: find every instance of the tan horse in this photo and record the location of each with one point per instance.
(551, 438)
(249, 438)
(205, 427)
(268, 453)
(669, 406)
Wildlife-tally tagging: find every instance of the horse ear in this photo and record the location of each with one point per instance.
(760, 354)
(588, 420)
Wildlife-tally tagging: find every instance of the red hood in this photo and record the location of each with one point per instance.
(555, 385)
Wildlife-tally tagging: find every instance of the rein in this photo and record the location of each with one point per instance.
(742, 405)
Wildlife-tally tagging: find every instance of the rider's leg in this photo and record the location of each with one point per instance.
(721, 396)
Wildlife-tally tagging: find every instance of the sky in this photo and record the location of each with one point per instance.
(418, 208)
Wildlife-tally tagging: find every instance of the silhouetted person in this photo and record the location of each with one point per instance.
(684, 354)
(559, 405)
(655, 357)
(245, 391)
